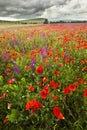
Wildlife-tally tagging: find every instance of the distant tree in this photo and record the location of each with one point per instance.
(46, 21)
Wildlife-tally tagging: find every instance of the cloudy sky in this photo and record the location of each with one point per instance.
(51, 9)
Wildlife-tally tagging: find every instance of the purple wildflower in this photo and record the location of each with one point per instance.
(43, 52)
(32, 64)
(17, 43)
(23, 50)
(12, 43)
(16, 69)
(6, 56)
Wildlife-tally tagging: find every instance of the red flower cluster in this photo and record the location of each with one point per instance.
(71, 87)
(10, 81)
(39, 69)
(57, 112)
(33, 105)
(45, 92)
(54, 85)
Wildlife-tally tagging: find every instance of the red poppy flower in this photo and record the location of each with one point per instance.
(84, 82)
(40, 84)
(31, 88)
(84, 69)
(9, 81)
(27, 67)
(85, 93)
(39, 69)
(80, 80)
(46, 88)
(43, 93)
(36, 106)
(5, 95)
(30, 104)
(56, 73)
(33, 105)
(13, 80)
(8, 71)
(57, 112)
(72, 87)
(67, 61)
(76, 84)
(60, 64)
(54, 98)
(66, 90)
(3, 75)
(62, 54)
(5, 120)
(54, 85)
(82, 62)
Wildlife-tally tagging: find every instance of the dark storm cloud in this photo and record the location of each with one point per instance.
(23, 8)
(27, 9)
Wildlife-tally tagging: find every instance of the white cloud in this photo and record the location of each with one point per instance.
(74, 10)
(9, 19)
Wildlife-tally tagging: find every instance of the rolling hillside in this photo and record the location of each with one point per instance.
(31, 21)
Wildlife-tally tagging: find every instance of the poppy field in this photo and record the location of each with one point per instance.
(43, 77)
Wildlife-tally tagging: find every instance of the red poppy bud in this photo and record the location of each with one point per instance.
(44, 79)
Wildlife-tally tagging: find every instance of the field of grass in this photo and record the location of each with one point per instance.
(43, 77)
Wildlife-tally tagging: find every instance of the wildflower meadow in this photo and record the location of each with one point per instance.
(43, 77)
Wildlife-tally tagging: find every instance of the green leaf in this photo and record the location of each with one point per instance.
(23, 81)
(13, 116)
(1, 80)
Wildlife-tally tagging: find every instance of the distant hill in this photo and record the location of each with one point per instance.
(34, 21)
(31, 21)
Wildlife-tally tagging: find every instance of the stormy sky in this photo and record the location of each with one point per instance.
(51, 9)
